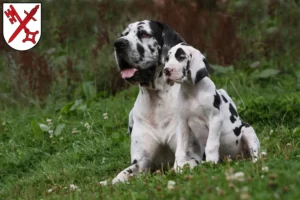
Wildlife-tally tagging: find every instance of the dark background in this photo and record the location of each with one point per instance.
(75, 55)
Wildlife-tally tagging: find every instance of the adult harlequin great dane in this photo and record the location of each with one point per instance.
(206, 115)
(140, 53)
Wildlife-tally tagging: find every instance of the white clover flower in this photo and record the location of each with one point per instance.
(49, 121)
(171, 185)
(50, 133)
(265, 169)
(49, 191)
(263, 154)
(74, 131)
(239, 176)
(87, 126)
(231, 176)
(73, 187)
(105, 116)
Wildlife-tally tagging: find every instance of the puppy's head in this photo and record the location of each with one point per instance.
(184, 63)
(140, 49)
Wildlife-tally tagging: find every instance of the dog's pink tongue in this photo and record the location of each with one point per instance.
(128, 73)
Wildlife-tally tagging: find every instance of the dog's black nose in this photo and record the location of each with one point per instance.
(121, 43)
(167, 72)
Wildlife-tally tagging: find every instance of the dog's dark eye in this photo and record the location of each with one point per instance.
(182, 57)
(143, 34)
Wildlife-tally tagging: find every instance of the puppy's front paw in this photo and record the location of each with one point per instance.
(212, 157)
(254, 155)
(177, 167)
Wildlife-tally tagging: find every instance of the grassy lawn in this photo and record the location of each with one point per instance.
(57, 141)
(87, 146)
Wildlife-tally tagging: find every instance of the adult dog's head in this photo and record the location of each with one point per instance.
(141, 49)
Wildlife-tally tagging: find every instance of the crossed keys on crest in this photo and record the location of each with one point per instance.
(12, 14)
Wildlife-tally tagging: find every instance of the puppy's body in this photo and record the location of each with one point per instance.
(206, 115)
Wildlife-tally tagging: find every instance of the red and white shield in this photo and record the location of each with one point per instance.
(22, 25)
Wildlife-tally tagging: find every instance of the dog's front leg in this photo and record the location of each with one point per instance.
(183, 149)
(134, 169)
(213, 140)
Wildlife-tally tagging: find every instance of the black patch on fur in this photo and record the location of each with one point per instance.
(237, 130)
(157, 31)
(153, 84)
(129, 171)
(134, 162)
(144, 84)
(196, 161)
(206, 64)
(140, 23)
(200, 75)
(204, 157)
(141, 50)
(217, 101)
(245, 124)
(151, 49)
(160, 74)
(187, 153)
(130, 129)
(232, 119)
(179, 53)
(188, 65)
(224, 99)
(184, 72)
(233, 113)
(165, 38)
(237, 142)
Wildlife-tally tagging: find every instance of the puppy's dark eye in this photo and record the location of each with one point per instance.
(182, 57)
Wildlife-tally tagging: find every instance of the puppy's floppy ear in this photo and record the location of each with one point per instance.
(165, 36)
(197, 66)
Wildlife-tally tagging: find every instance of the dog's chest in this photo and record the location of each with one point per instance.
(156, 114)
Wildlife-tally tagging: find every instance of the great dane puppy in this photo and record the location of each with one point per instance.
(205, 113)
(140, 53)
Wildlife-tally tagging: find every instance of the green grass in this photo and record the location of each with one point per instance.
(87, 148)
(90, 148)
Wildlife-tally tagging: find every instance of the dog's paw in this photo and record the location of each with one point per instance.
(213, 158)
(191, 164)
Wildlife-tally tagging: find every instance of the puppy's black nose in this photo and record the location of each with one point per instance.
(121, 43)
(167, 72)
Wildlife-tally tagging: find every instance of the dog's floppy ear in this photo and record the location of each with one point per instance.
(197, 66)
(165, 36)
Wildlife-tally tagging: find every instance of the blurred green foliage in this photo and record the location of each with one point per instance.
(74, 58)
